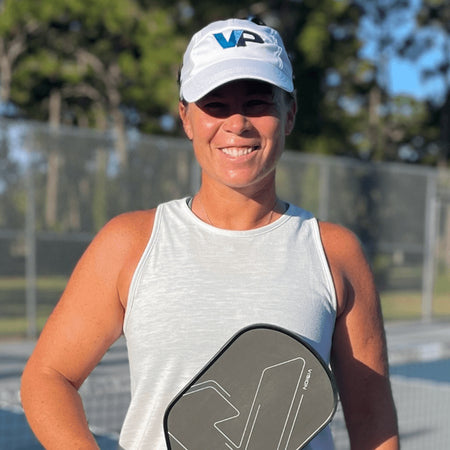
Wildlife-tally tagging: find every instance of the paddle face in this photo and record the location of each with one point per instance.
(265, 389)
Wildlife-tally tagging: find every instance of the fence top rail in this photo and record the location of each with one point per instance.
(181, 142)
(330, 160)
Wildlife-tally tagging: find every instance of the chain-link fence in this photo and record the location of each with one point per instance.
(422, 408)
(59, 186)
(400, 212)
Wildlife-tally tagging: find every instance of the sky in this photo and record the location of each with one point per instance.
(404, 76)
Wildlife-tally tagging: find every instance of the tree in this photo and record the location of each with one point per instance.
(112, 64)
(16, 28)
(433, 35)
(97, 64)
(104, 56)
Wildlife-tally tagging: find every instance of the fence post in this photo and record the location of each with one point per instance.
(324, 190)
(30, 252)
(429, 247)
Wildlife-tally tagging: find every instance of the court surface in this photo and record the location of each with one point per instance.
(419, 355)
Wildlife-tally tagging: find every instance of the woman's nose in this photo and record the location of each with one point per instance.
(237, 123)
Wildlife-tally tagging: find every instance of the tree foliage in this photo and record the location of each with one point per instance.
(114, 63)
(432, 35)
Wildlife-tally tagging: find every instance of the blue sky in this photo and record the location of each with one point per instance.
(404, 76)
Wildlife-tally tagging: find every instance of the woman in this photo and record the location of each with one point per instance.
(182, 279)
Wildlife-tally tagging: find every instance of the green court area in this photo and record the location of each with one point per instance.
(13, 311)
(402, 304)
(397, 305)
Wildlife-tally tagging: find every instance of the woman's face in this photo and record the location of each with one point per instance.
(238, 132)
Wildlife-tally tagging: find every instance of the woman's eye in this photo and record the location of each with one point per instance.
(252, 107)
(257, 106)
(214, 108)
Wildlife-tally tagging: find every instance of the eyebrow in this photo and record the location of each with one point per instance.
(254, 87)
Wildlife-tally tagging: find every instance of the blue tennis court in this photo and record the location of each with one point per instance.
(420, 375)
(438, 370)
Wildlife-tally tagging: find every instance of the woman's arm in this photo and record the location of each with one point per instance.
(86, 321)
(359, 354)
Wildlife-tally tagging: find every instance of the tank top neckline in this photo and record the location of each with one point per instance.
(186, 208)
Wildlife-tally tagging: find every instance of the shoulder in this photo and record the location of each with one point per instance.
(121, 242)
(346, 259)
(339, 242)
(125, 232)
(131, 225)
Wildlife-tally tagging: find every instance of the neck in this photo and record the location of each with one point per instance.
(237, 211)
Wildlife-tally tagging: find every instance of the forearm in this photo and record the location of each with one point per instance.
(366, 438)
(371, 417)
(373, 434)
(365, 391)
(55, 412)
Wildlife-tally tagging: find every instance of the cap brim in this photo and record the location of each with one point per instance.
(223, 72)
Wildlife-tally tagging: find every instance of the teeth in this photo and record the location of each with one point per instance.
(239, 151)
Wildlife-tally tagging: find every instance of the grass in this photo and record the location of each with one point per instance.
(408, 305)
(13, 321)
(404, 304)
(397, 305)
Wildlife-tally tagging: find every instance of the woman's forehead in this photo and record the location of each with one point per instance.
(244, 86)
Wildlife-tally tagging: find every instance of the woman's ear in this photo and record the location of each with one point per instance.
(183, 111)
(291, 113)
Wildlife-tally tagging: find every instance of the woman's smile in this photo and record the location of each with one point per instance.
(237, 152)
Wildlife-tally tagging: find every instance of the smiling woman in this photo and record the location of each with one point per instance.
(238, 132)
(182, 279)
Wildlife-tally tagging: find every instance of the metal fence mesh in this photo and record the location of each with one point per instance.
(422, 408)
(58, 187)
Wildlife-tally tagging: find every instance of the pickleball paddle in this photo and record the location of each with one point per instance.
(266, 389)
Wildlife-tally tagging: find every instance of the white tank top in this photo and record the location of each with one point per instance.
(196, 286)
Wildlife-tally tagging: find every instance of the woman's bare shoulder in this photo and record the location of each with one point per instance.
(127, 232)
(339, 242)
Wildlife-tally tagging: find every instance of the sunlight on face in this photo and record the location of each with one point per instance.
(238, 131)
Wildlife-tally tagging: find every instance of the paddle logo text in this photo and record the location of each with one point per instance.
(238, 38)
(306, 382)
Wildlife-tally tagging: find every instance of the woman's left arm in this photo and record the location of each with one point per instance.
(359, 354)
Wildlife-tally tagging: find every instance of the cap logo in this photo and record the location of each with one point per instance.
(238, 38)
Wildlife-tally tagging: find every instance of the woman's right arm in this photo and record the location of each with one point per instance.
(86, 321)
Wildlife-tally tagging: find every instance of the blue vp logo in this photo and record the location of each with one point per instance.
(238, 38)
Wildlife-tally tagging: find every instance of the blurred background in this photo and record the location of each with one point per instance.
(89, 129)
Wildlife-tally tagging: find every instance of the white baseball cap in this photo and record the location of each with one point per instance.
(231, 50)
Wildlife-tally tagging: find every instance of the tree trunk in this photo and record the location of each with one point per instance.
(53, 165)
(5, 73)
